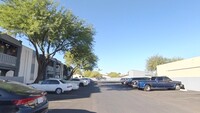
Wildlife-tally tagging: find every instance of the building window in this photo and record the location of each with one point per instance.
(8, 49)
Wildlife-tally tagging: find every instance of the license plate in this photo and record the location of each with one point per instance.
(40, 100)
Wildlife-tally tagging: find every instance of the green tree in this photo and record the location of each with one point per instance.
(174, 59)
(81, 58)
(114, 74)
(155, 60)
(87, 73)
(47, 28)
(78, 71)
(92, 74)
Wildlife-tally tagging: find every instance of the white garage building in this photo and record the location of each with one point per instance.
(187, 71)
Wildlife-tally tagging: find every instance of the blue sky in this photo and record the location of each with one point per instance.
(130, 31)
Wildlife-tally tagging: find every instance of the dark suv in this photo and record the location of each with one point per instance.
(19, 98)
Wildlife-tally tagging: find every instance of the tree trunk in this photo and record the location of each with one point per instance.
(42, 64)
(71, 74)
(41, 74)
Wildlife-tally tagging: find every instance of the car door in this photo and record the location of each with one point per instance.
(43, 85)
(77, 81)
(165, 83)
(72, 82)
(168, 83)
(53, 85)
(158, 84)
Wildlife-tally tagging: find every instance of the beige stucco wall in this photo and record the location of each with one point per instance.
(187, 71)
(184, 68)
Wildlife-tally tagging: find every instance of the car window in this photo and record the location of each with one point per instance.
(157, 78)
(53, 82)
(153, 78)
(166, 79)
(63, 81)
(45, 82)
(141, 78)
(146, 78)
(160, 78)
(134, 78)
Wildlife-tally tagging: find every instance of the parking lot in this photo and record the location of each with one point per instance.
(116, 98)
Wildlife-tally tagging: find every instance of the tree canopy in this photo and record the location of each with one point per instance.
(92, 74)
(155, 60)
(47, 28)
(80, 58)
(114, 74)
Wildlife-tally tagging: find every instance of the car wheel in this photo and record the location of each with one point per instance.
(81, 84)
(177, 87)
(147, 88)
(58, 91)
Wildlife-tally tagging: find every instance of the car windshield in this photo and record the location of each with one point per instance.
(166, 79)
(63, 81)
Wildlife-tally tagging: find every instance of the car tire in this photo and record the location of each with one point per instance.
(177, 87)
(147, 88)
(58, 91)
(81, 84)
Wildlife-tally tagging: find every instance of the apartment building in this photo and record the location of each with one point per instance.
(10, 53)
(55, 69)
(19, 63)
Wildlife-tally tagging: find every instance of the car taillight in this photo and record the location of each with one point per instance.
(31, 102)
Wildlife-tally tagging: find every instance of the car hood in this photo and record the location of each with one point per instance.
(20, 89)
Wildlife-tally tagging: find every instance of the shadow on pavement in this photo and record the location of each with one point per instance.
(69, 111)
(115, 86)
(82, 92)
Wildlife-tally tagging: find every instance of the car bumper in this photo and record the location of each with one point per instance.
(75, 87)
(134, 86)
(42, 108)
(182, 86)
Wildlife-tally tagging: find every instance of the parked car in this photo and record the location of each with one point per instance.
(87, 79)
(134, 81)
(80, 82)
(19, 98)
(75, 86)
(53, 85)
(160, 82)
(124, 80)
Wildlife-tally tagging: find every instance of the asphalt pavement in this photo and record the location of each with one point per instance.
(116, 98)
